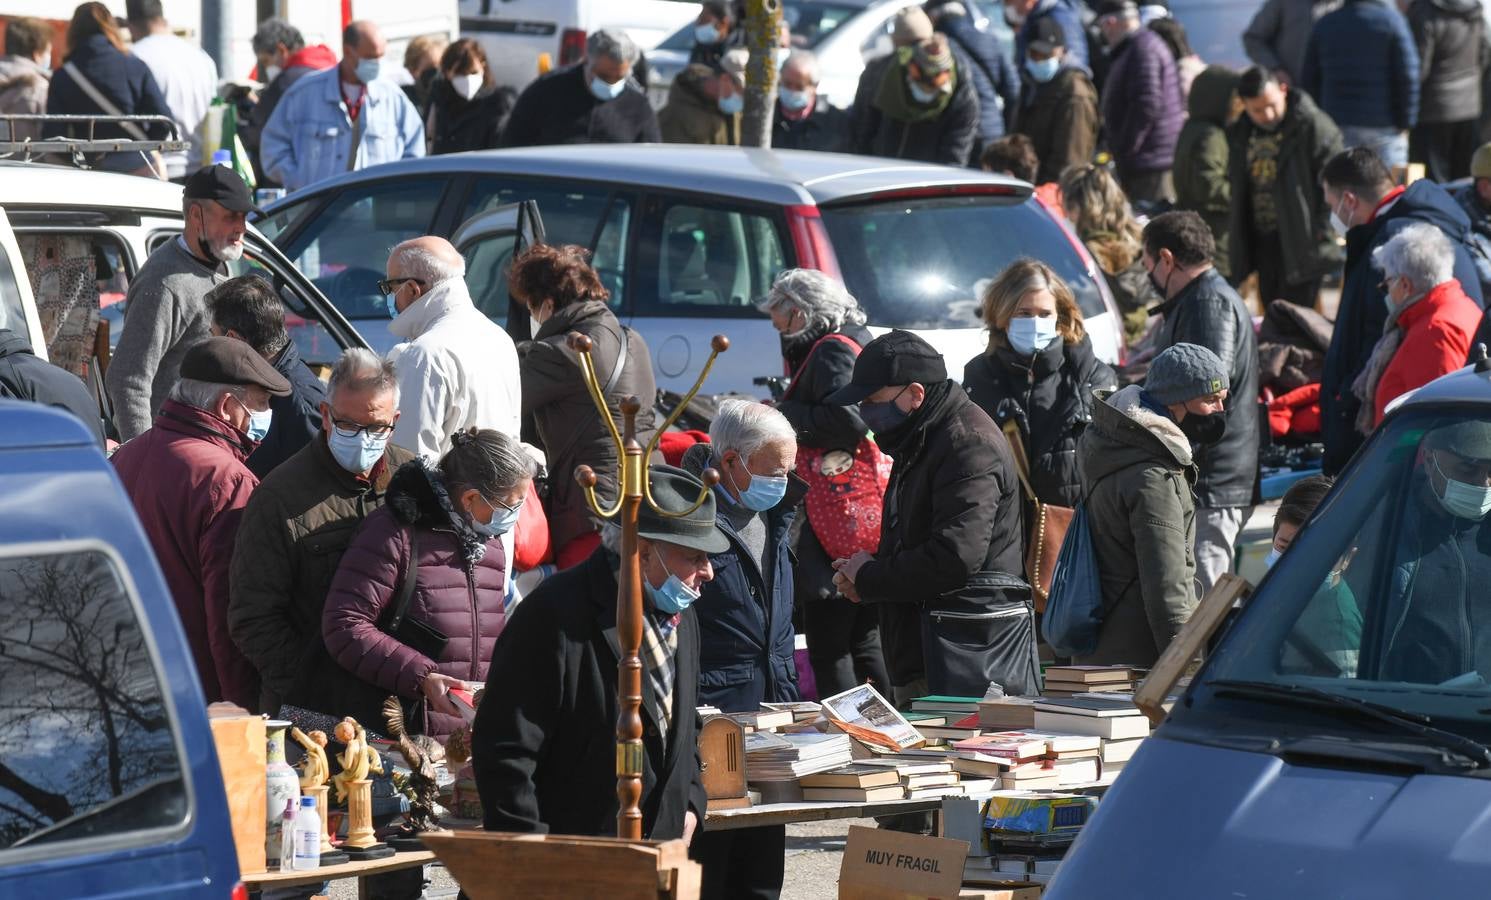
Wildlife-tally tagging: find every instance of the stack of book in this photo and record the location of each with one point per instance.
(856, 783)
(1064, 681)
(788, 757)
(801, 710)
(764, 719)
(1111, 719)
(1027, 760)
(1115, 755)
(1006, 713)
(953, 707)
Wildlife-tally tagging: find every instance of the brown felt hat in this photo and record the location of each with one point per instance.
(225, 360)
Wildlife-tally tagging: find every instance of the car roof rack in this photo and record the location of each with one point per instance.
(77, 150)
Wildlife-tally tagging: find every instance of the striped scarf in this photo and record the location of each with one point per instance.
(659, 651)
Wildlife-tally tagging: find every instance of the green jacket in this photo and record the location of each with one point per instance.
(1310, 139)
(1201, 157)
(1138, 474)
(692, 116)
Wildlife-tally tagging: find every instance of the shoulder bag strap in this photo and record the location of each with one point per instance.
(102, 102)
(626, 336)
(843, 339)
(400, 607)
(1022, 465)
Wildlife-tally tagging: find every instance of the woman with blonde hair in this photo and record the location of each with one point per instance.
(1099, 211)
(1039, 373)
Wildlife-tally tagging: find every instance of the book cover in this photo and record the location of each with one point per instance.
(1089, 706)
(1112, 728)
(853, 795)
(1089, 674)
(866, 716)
(857, 775)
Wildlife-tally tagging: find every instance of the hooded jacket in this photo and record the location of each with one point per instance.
(122, 78)
(1061, 120)
(564, 415)
(1138, 472)
(457, 369)
(186, 478)
(1142, 104)
(459, 592)
(1450, 36)
(1201, 154)
(694, 117)
(1049, 397)
(1309, 139)
(559, 108)
(746, 639)
(1210, 313)
(885, 122)
(24, 376)
(23, 91)
(1361, 313)
(456, 124)
(1362, 66)
(994, 77)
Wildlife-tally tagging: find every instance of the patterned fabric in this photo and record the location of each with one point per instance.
(659, 651)
(64, 283)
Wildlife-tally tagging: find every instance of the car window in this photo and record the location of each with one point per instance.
(316, 345)
(276, 224)
(79, 281)
(810, 22)
(705, 260)
(921, 263)
(609, 260)
(12, 316)
(344, 249)
(570, 212)
(85, 737)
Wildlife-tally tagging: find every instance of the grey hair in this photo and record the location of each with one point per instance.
(612, 43)
(746, 426)
(360, 369)
(1420, 253)
(806, 60)
(276, 31)
(487, 460)
(202, 394)
(417, 262)
(823, 301)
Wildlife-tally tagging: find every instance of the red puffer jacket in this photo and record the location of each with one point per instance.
(459, 591)
(1437, 332)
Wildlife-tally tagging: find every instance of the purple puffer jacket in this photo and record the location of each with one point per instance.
(458, 592)
(1143, 109)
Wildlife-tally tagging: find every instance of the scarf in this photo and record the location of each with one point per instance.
(658, 652)
(894, 98)
(1365, 385)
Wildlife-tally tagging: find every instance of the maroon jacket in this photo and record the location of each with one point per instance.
(187, 481)
(459, 591)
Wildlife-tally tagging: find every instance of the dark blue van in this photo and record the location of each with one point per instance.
(1338, 742)
(109, 781)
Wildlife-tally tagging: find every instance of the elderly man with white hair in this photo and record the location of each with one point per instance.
(805, 120)
(593, 102)
(745, 614)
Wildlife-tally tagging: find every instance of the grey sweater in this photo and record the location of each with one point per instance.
(164, 316)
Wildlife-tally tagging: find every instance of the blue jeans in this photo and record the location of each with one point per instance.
(1390, 144)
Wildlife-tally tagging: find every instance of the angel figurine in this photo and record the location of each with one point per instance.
(358, 759)
(314, 769)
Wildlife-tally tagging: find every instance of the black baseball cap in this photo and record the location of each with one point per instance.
(223, 186)
(676, 491)
(1045, 36)
(897, 357)
(225, 360)
(1116, 8)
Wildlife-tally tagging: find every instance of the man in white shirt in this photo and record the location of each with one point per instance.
(186, 75)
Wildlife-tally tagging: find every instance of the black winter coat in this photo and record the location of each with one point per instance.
(1049, 397)
(951, 550)
(746, 640)
(297, 416)
(994, 76)
(1210, 313)
(122, 78)
(558, 108)
(815, 375)
(456, 124)
(1361, 313)
(947, 138)
(1451, 39)
(25, 376)
(826, 129)
(544, 742)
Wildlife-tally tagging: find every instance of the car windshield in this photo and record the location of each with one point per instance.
(1382, 597)
(810, 22)
(922, 263)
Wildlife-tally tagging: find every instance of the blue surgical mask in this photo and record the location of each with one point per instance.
(358, 453)
(503, 520)
(604, 90)
(391, 304)
(368, 70)
(259, 422)
(794, 100)
(732, 104)
(1030, 335)
(1044, 70)
(1271, 558)
(882, 417)
(763, 493)
(708, 35)
(674, 596)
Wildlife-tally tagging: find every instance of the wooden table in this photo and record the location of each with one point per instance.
(358, 870)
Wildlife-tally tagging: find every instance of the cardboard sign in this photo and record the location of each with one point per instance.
(891, 865)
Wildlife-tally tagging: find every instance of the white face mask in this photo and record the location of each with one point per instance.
(1461, 500)
(920, 94)
(467, 85)
(1339, 224)
(271, 73)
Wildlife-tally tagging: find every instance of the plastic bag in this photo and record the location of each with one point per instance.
(1074, 609)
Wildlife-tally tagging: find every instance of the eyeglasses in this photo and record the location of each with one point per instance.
(498, 503)
(389, 285)
(351, 429)
(1386, 284)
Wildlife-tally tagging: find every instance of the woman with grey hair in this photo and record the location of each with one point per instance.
(420, 595)
(1430, 321)
(823, 330)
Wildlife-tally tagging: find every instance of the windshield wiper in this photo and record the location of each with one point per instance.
(1478, 754)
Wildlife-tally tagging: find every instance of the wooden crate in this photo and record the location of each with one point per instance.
(491, 865)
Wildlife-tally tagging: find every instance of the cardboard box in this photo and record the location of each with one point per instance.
(890, 865)
(242, 755)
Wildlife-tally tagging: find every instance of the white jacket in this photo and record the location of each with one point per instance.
(456, 370)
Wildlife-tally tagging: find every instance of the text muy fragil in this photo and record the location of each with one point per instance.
(902, 861)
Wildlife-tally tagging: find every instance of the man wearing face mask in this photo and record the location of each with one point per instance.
(166, 311)
(282, 59)
(919, 105)
(1142, 105)
(343, 119)
(805, 120)
(544, 741)
(186, 479)
(983, 59)
(704, 104)
(746, 638)
(955, 613)
(294, 530)
(714, 31)
(1060, 113)
(593, 102)
(1137, 473)
(1022, 15)
(1201, 308)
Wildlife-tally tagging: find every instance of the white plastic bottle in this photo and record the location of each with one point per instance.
(307, 852)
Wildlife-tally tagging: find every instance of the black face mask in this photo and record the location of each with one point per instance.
(1203, 431)
(1159, 287)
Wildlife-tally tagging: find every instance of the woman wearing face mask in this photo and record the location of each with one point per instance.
(1430, 321)
(1038, 373)
(439, 527)
(565, 295)
(467, 110)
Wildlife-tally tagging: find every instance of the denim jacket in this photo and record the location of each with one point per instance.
(309, 136)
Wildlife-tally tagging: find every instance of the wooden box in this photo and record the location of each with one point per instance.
(492, 865)
(242, 755)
